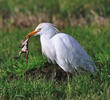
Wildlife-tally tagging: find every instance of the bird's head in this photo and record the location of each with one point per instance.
(43, 28)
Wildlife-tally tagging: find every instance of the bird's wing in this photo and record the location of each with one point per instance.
(68, 49)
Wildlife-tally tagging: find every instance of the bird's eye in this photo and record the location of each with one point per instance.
(39, 29)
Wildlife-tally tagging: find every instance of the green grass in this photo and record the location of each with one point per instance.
(16, 85)
(80, 87)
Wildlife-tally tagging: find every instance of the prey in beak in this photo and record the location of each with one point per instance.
(24, 49)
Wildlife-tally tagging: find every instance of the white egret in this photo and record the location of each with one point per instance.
(63, 49)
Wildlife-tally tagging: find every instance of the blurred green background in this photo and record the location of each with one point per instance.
(60, 12)
(88, 21)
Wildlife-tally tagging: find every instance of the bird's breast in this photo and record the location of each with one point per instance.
(48, 49)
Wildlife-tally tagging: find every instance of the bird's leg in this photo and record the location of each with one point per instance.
(26, 56)
(69, 75)
(54, 72)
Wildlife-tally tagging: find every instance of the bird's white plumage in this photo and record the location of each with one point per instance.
(64, 49)
(71, 56)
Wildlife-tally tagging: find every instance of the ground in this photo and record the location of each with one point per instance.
(33, 80)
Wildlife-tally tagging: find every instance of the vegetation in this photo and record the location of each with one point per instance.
(20, 81)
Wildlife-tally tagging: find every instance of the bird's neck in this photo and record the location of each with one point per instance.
(45, 40)
(46, 36)
(45, 43)
(50, 33)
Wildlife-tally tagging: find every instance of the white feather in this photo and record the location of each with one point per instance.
(64, 49)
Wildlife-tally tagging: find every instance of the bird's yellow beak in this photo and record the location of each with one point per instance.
(31, 34)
